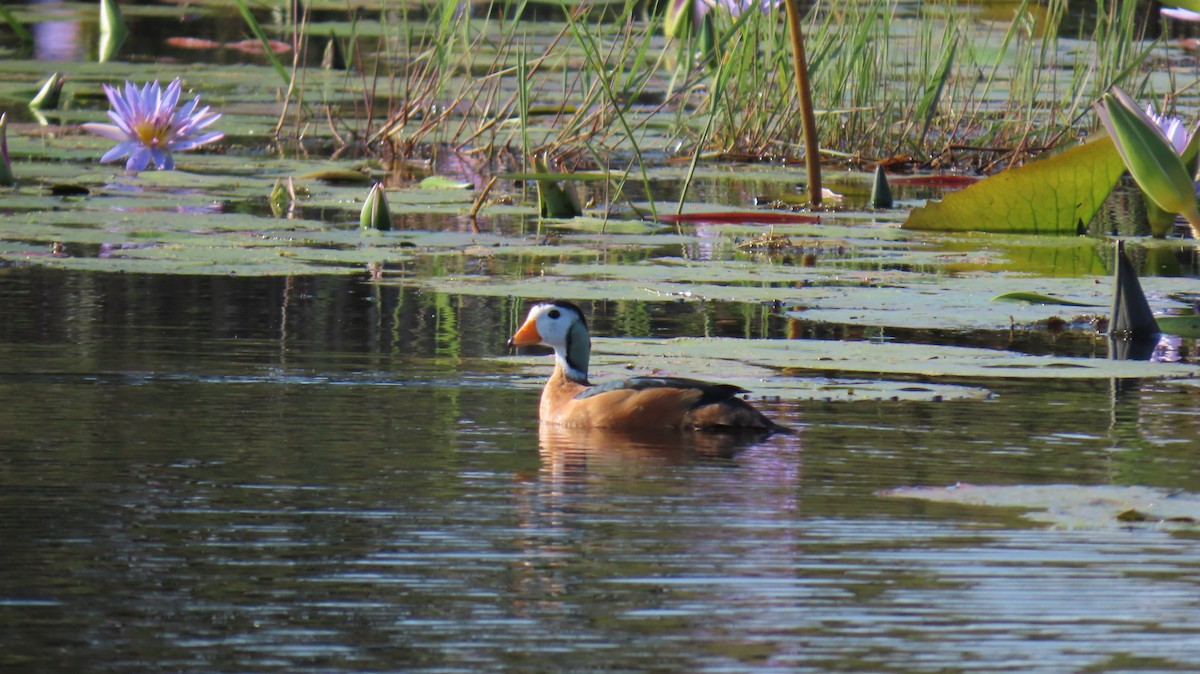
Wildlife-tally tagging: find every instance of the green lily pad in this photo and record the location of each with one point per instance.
(339, 177)
(444, 183)
(821, 294)
(1058, 195)
(1181, 326)
(1038, 298)
(602, 225)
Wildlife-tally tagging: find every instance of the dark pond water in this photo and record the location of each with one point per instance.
(321, 475)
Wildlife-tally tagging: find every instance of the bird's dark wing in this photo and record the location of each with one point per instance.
(709, 392)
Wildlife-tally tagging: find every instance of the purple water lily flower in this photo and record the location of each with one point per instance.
(1180, 13)
(1172, 129)
(680, 9)
(150, 128)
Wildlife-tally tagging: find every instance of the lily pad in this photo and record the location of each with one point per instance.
(444, 183)
(1038, 298)
(1073, 506)
(1058, 195)
(821, 294)
(923, 360)
(763, 383)
(1181, 326)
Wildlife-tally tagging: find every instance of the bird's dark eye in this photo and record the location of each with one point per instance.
(554, 313)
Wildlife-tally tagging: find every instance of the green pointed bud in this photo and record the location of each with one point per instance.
(375, 213)
(112, 30)
(1130, 317)
(333, 58)
(1148, 155)
(678, 20)
(279, 198)
(554, 200)
(47, 98)
(6, 174)
(708, 40)
(881, 192)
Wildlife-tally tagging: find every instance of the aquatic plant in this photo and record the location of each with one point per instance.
(1182, 13)
(22, 32)
(1155, 160)
(150, 127)
(375, 212)
(48, 95)
(6, 174)
(679, 11)
(112, 30)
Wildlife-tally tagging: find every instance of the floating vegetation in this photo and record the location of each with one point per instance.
(465, 200)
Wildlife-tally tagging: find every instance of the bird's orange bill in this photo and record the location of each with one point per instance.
(527, 335)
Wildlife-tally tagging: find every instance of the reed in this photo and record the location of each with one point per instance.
(887, 78)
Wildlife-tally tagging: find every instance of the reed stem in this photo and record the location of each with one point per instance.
(812, 150)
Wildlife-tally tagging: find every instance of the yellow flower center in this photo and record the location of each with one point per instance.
(150, 133)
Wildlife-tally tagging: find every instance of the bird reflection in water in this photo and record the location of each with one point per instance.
(600, 446)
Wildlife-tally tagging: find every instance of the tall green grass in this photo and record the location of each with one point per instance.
(600, 83)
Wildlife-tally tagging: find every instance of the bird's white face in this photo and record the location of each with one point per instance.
(562, 327)
(553, 323)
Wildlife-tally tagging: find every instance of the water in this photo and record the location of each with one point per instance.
(307, 474)
(318, 475)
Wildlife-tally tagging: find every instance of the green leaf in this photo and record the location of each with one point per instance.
(338, 177)
(1058, 195)
(444, 183)
(1182, 326)
(678, 20)
(21, 31)
(1038, 298)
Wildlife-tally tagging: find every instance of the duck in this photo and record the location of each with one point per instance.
(570, 400)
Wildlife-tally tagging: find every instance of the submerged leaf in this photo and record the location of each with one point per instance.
(1058, 195)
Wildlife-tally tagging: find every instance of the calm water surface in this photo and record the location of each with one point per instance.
(318, 475)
